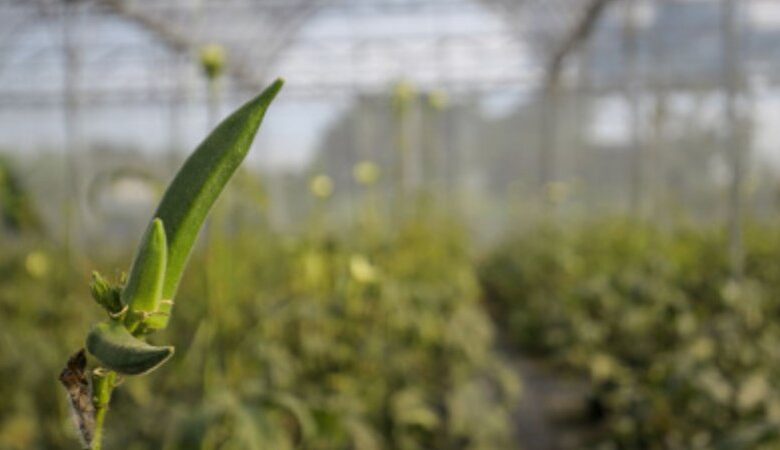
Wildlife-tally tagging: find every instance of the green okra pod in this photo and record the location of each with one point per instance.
(145, 301)
(143, 291)
(118, 350)
(197, 185)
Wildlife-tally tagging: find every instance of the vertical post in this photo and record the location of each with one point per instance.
(403, 100)
(636, 157)
(72, 127)
(174, 111)
(439, 104)
(466, 142)
(432, 108)
(365, 156)
(657, 157)
(449, 157)
(582, 107)
(548, 170)
(732, 83)
(656, 151)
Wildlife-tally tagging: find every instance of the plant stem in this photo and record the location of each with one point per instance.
(100, 417)
(103, 384)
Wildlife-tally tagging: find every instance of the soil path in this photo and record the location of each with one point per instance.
(551, 412)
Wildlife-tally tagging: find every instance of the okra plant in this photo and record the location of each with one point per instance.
(142, 304)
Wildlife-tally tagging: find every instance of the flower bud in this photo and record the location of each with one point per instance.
(105, 294)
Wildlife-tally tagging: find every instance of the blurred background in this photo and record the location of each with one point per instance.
(465, 224)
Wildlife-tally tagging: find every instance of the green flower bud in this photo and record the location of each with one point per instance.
(321, 186)
(366, 173)
(438, 100)
(105, 294)
(403, 94)
(212, 59)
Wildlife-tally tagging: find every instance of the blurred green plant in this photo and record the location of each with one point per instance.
(360, 338)
(143, 304)
(350, 343)
(17, 211)
(677, 354)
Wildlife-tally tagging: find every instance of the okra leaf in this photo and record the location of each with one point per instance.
(118, 350)
(197, 185)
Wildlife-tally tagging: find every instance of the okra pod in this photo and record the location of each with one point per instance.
(197, 185)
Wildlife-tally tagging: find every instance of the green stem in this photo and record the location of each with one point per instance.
(103, 384)
(100, 417)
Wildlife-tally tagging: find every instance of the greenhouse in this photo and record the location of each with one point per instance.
(389, 224)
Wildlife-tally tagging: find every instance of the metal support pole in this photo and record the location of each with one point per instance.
(175, 112)
(548, 170)
(636, 159)
(72, 128)
(732, 84)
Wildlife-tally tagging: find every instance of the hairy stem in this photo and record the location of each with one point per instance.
(103, 383)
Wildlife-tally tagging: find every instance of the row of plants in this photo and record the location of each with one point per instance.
(310, 341)
(677, 353)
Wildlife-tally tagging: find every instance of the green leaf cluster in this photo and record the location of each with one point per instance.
(676, 354)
